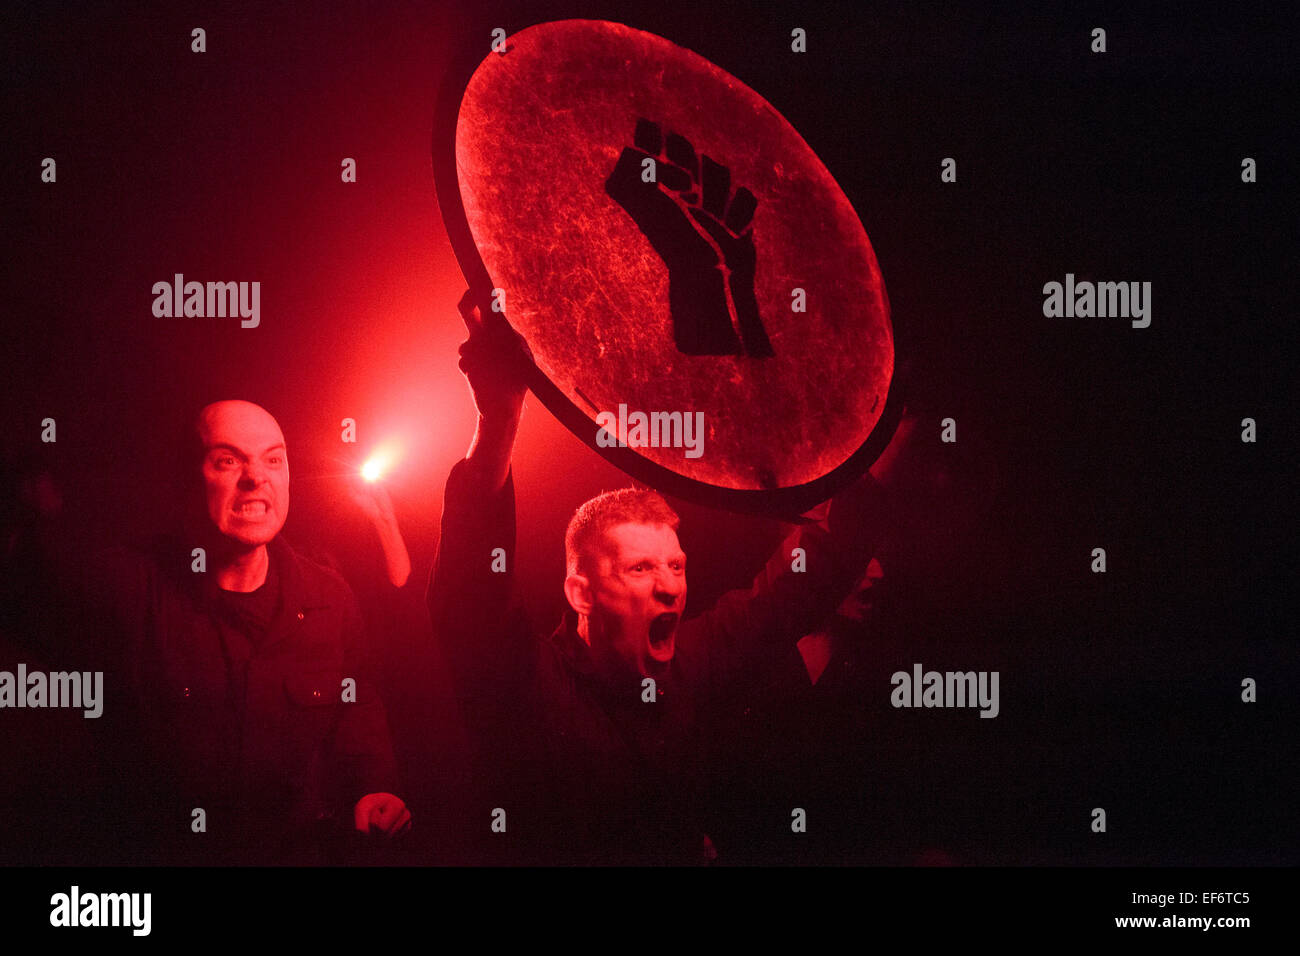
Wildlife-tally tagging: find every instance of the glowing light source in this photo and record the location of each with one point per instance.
(381, 460)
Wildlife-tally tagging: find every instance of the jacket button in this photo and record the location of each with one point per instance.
(301, 615)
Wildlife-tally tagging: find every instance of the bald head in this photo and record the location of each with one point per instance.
(245, 471)
(236, 414)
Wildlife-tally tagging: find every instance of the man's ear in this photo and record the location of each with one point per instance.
(577, 590)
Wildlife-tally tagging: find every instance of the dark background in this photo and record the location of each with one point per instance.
(1119, 690)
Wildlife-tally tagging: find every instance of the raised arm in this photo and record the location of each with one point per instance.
(812, 571)
(377, 505)
(496, 361)
(469, 591)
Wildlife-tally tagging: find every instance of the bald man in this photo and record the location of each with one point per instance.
(255, 732)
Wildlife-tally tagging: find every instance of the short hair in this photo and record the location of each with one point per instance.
(623, 506)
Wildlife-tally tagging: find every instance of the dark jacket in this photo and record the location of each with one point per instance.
(591, 773)
(251, 727)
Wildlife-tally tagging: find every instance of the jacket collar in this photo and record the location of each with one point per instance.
(574, 650)
(302, 581)
(300, 588)
(577, 658)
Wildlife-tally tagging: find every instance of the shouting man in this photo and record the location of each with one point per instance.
(256, 734)
(599, 743)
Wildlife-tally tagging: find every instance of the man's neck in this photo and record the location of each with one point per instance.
(243, 570)
(613, 671)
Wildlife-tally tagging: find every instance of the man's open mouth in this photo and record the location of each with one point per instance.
(662, 628)
(251, 509)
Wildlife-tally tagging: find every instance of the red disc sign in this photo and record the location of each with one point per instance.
(702, 301)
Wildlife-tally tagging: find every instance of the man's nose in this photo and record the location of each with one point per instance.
(669, 586)
(254, 475)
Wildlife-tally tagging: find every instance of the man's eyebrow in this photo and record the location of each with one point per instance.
(239, 451)
(651, 560)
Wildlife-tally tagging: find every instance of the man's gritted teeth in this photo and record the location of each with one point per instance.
(252, 509)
